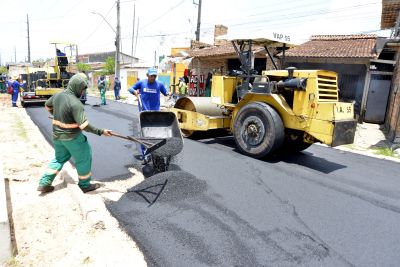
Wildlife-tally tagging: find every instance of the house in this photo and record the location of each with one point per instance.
(128, 74)
(364, 73)
(390, 19)
(101, 57)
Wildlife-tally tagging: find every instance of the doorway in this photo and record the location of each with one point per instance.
(377, 99)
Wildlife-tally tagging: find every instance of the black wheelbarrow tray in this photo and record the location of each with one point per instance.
(159, 125)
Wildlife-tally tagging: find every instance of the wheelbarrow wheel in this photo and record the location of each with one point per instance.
(187, 133)
(160, 164)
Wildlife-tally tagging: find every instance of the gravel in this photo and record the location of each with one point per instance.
(172, 147)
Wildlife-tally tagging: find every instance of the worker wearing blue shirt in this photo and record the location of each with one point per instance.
(15, 85)
(148, 93)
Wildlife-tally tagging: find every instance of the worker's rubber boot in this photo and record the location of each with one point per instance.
(91, 187)
(86, 186)
(45, 188)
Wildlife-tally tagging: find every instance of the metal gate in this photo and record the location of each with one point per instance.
(377, 99)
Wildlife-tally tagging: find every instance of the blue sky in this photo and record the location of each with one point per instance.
(165, 24)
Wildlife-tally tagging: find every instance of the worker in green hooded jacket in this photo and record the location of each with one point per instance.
(69, 120)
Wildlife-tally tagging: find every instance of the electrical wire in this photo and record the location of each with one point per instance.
(292, 16)
(162, 15)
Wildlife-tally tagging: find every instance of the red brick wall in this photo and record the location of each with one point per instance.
(393, 114)
(213, 65)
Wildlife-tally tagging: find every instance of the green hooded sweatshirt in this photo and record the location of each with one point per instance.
(69, 118)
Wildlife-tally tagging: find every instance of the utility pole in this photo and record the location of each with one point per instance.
(137, 33)
(76, 55)
(133, 27)
(29, 41)
(117, 42)
(198, 20)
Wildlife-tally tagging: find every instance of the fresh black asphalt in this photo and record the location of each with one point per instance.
(321, 207)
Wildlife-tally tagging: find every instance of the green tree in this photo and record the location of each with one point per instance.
(109, 66)
(82, 67)
(3, 70)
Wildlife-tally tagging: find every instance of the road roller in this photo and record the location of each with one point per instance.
(279, 110)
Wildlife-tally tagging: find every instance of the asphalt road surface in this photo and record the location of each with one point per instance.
(321, 207)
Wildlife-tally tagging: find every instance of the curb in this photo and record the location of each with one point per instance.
(5, 233)
(91, 205)
(368, 154)
(95, 212)
(362, 152)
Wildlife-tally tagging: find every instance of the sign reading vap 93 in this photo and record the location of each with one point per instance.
(281, 36)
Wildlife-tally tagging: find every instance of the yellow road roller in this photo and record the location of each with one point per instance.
(285, 110)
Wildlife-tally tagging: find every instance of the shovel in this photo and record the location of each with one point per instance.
(150, 144)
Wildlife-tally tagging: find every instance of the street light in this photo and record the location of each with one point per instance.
(96, 13)
(117, 36)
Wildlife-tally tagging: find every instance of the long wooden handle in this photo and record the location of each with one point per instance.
(120, 136)
(132, 139)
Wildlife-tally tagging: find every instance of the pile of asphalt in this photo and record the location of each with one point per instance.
(172, 147)
(170, 186)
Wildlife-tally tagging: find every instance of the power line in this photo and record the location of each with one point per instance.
(300, 15)
(290, 23)
(210, 29)
(162, 15)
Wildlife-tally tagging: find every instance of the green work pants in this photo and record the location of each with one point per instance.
(103, 96)
(80, 150)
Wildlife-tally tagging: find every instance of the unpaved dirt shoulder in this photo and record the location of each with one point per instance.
(50, 230)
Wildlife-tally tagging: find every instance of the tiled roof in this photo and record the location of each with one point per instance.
(222, 50)
(390, 10)
(336, 46)
(212, 51)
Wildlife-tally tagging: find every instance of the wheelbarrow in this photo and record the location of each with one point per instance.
(158, 126)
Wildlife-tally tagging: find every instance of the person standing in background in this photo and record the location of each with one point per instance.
(102, 88)
(208, 85)
(117, 88)
(15, 86)
(182, 87)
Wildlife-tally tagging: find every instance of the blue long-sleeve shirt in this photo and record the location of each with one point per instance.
(16, 85)
(149, 94)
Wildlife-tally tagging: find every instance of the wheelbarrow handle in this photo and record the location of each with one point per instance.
(150, 147)
(130, 138)
(120, 136)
